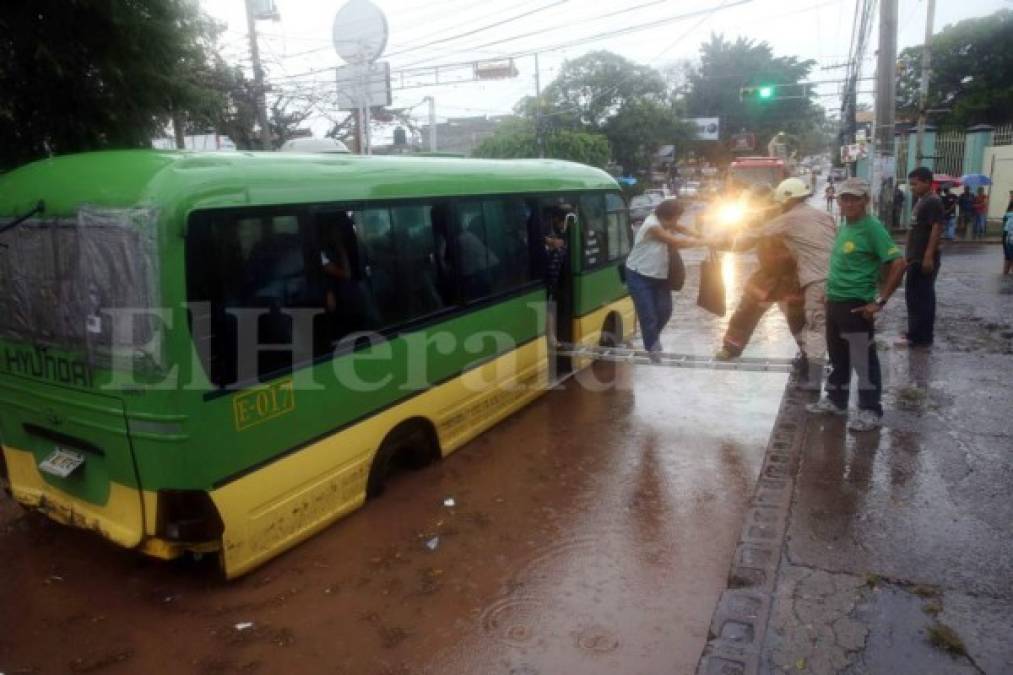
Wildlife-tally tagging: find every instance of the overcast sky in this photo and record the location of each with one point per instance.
(810, 29)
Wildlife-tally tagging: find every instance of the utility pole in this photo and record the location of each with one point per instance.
(432, 123)
(258, 79)
(886, 104)
(538, 109)
(923, 92)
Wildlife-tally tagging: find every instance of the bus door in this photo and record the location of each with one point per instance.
(558, 239)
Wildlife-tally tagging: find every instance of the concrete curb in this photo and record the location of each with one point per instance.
(739, 624)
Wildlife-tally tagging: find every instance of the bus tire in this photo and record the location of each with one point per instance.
(611, 331)
(410, 445)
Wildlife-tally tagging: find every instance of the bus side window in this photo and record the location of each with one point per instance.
(618, 226)
(506, 222)
(380, 264)
(344, 293)
(595, 243)
(416, 253)
(475, 263)
(251, 260)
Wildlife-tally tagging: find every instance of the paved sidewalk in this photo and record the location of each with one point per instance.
(890, 552)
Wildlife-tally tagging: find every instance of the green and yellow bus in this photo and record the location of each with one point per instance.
(224, 353)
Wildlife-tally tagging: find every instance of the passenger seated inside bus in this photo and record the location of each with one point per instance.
(478, 263)
(440, 217)
(347, 302)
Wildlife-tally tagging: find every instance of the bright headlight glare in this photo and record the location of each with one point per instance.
(731, 214)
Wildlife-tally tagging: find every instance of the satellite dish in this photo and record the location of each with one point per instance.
(360, 32)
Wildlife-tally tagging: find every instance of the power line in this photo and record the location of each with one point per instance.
(481, 28)
(571, 23)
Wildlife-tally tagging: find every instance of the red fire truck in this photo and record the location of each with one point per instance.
(758, 170)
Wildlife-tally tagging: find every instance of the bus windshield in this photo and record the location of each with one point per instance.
(62, 280)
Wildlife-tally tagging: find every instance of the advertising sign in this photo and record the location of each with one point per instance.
(364, 85)
(707, 128)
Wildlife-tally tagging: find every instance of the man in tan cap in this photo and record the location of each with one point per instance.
(862, 248)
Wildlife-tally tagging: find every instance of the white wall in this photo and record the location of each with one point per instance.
(998, 165)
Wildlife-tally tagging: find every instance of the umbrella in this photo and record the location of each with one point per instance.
(941, 180)
(975, 180)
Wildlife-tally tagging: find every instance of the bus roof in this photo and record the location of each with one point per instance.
(188, 181)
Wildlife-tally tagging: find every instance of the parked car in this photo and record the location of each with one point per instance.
(690, 190)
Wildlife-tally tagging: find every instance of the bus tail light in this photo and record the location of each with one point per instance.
(188, 516)
(5, 480)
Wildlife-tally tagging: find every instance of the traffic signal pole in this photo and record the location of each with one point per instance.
(923, 90)
(258, 79)
(886, 104)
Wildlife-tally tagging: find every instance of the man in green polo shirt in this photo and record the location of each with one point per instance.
(862, 248)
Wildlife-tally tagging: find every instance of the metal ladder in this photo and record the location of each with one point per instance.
(671, 360)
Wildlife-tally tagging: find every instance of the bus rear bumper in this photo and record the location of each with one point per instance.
(114, 520)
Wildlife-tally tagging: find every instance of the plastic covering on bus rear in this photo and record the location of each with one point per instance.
(65, 283)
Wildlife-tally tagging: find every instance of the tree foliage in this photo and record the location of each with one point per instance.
(517, 139)
(611, 98)
(725, 67)
(972, 72)
(592, 88)
(82, 76)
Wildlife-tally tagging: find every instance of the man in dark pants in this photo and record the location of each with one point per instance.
(862, 247)
(922, 253)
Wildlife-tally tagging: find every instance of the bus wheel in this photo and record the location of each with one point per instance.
(611, 331)
(411, 445)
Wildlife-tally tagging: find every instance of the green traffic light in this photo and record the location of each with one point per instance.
(766, 92)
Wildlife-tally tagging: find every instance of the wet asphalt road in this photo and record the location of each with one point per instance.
(591, 533)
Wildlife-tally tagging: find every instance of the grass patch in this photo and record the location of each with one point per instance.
(925, 591)
(911, 398)
(872, 580)
(945, 638)
(932, 608)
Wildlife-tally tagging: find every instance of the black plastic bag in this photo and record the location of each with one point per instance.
(676, 269)
(712, 285)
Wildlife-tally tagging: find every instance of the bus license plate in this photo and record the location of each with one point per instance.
(61, 462)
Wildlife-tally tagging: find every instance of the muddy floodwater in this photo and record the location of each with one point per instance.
(590, 533)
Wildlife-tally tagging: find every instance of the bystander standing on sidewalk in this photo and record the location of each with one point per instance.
(980, 213)
(966, 203)
(922, 253)
(950, 213)
(1007, 240)
(898, 207)
(861, 249)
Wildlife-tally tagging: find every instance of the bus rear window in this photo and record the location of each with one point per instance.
(83, 284)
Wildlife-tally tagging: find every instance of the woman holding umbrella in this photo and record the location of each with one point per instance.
(980, 213)
(977, 182)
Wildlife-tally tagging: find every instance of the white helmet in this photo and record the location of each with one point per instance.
(791, 188)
